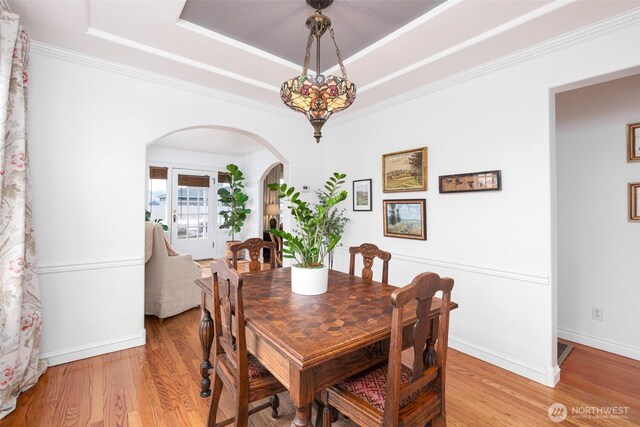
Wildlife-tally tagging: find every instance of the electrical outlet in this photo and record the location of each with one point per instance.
(596, 313)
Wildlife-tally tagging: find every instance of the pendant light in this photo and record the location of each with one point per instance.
(319, 96)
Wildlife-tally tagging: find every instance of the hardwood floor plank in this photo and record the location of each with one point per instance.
(158, 385)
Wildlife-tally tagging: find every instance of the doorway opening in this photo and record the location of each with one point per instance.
(185, 170)
(595, 252)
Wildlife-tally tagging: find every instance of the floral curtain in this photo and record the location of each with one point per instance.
(20, 308)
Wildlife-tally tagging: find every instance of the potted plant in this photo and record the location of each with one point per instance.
(147, 217)
(235, 201)
(336, 221)
(313, 238)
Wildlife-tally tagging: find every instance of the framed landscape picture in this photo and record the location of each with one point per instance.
(405, 218)
(362, 195)
(405, 171)
(473, 181)
(634, 197)
(633, 142)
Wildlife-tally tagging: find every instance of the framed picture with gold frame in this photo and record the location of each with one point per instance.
(405, 218)
(405, 171)
(634, 197)
(633, 142)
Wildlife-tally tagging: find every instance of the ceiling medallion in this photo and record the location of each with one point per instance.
(318, 97)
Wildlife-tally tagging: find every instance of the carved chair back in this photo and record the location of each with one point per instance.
(254, 246)
(430, 342)
(228, 323)
(234, 367)
(369, 251)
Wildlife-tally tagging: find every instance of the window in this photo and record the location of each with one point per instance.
(157, 198)
(192, 216)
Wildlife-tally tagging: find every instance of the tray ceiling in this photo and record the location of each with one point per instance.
(248, 48)
(278, 27)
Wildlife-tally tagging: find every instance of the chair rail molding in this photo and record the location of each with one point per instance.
(88, 265)
(487, 271)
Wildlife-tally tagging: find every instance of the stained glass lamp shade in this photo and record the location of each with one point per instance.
(318, 97)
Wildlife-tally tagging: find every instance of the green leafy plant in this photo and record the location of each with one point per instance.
(235, 200)
(147, 217)
(336, 221)
(314, 237)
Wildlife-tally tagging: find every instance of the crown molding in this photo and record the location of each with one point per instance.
(180, 59)
(75, 57)
(599, 29)
(596, 30)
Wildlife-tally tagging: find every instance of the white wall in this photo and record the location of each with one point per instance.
(89, 127)
(598, 248)
(256, 166)
(89, 124)
(496, 245)
(189, 159)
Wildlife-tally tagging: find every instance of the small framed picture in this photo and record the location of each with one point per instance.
(633, 142)
(405, 218)
(634, 197)
(405, 171)
(362, 195)
(473, 181)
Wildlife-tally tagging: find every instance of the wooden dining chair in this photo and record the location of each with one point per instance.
(392, 394)
(234, 367)
(369, 251)
(254, 246)
(278, 251)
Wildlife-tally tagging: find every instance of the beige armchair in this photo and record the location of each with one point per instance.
(169, 276)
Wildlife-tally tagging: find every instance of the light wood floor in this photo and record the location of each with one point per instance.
(158, 385)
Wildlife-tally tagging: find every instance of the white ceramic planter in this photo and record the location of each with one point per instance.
(309, 281)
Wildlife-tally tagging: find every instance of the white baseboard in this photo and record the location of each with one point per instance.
(94, 349)
(600, 343)
(548, 376)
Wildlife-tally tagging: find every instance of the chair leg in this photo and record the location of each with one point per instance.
(439, 421)
(326, 416)
(327, 413)
(242, 410)
(215, 399)
(275, 404)
(318, 401)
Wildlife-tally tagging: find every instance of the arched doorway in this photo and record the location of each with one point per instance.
(184, 170)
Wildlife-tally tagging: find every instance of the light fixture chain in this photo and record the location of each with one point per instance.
(338, 54)
(307, 55)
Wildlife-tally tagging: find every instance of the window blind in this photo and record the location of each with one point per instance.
(156, 172)
(193, 180)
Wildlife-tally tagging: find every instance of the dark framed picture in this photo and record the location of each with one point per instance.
(362, 195)
(405, 170)
(473, 181)
(633, 142)
(634, 197)
(405, 218)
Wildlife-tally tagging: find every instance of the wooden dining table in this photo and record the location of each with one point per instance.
(311, 342)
